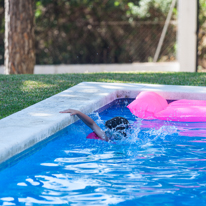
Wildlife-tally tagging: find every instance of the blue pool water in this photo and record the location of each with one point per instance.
(160, 163)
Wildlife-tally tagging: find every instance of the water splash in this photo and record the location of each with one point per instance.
(98, 120)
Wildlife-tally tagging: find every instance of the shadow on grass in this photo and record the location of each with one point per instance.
(20, 91)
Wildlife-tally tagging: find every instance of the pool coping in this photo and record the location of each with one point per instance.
(25, 128)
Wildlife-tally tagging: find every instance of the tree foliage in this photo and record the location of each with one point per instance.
(1, 32)
(150, 9)
(202, 35)
(202, 12)
(79, 31)
(93, 31)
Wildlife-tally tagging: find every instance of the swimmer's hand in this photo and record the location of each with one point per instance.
(71, 111)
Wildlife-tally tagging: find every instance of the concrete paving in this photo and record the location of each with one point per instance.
(25, 128)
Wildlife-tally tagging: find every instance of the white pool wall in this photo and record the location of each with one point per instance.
(29, 126)
(88, 68)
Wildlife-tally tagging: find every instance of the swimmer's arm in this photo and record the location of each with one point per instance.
(99, 132)
(89, 122)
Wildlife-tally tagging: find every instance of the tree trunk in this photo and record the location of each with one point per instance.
(19, 37)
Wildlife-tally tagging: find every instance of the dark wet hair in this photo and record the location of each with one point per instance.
(118, 124)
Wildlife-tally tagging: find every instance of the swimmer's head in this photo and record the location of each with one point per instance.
(117, 127)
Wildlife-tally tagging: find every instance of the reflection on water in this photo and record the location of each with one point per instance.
(159, 163)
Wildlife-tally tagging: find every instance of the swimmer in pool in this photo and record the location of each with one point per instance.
(115, 127)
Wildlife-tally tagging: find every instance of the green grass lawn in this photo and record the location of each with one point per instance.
(20, 91)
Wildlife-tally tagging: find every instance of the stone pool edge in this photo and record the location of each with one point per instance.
(24, 129)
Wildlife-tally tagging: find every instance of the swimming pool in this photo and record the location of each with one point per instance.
(24, 129)
(160, 163)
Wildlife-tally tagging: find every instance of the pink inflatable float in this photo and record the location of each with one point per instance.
(92, 136)
(150, 105)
